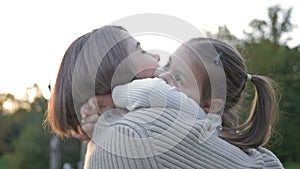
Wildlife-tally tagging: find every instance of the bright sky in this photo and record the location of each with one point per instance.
(34, 34)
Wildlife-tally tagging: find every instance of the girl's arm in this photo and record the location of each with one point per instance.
(154, 93)
(143, 93)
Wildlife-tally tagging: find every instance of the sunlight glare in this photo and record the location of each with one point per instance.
(9, 107)
(162, 45)
(31, 94)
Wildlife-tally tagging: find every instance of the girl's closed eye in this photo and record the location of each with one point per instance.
(178, 79)
(167, 66)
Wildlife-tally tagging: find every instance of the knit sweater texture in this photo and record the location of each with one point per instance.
(164, 129)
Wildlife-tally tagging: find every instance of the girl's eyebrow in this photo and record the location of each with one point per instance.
(170, 60)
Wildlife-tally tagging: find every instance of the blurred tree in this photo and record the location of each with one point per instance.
(283, 65)
(10, 122)
(9, 131)
(224, 34)
(31, 148)
(24, 144)
(267, 54)
(278, 24)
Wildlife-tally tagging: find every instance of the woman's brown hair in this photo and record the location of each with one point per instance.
(87, 69)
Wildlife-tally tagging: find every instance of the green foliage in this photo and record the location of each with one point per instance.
(24, 143)
(10, 126)
(31, 148)
(224, 34)
(3, 163)
(265, 55)
(293, 165)
(278, 24)
(281, 64)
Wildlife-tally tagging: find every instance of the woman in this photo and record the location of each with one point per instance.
(93, 64)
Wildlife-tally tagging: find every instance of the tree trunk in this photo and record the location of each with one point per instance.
(82, 154)
(55, 152)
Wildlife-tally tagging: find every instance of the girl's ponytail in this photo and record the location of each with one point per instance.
(257, 129)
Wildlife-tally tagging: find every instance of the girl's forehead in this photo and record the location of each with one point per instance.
(187, 49)
(186, 54)
(197, 52)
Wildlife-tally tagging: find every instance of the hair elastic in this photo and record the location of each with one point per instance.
(249, 77)
(218, 58)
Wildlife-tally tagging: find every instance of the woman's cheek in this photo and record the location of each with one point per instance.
(147, 73)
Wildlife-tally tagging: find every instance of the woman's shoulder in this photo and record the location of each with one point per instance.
(270, 159)
(116, 121)
(120, 130)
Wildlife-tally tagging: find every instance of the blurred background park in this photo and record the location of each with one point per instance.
(269, 44)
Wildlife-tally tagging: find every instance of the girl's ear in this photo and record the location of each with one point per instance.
(215, 106)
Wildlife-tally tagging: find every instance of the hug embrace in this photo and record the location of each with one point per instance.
(185, 114)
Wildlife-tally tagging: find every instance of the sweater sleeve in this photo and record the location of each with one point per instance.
(155, 93)
(120, 144)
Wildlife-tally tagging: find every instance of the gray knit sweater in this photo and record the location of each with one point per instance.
(164, 129)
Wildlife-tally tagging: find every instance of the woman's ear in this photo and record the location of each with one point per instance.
(215, 106)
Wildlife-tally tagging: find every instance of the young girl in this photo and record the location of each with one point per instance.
(181, 135)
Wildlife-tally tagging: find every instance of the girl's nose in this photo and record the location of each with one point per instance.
(166, 76)
(158, 71)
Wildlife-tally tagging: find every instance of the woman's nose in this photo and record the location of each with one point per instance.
(156, 57)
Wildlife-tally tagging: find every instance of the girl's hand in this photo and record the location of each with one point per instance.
(91, 110)
(104, 102)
